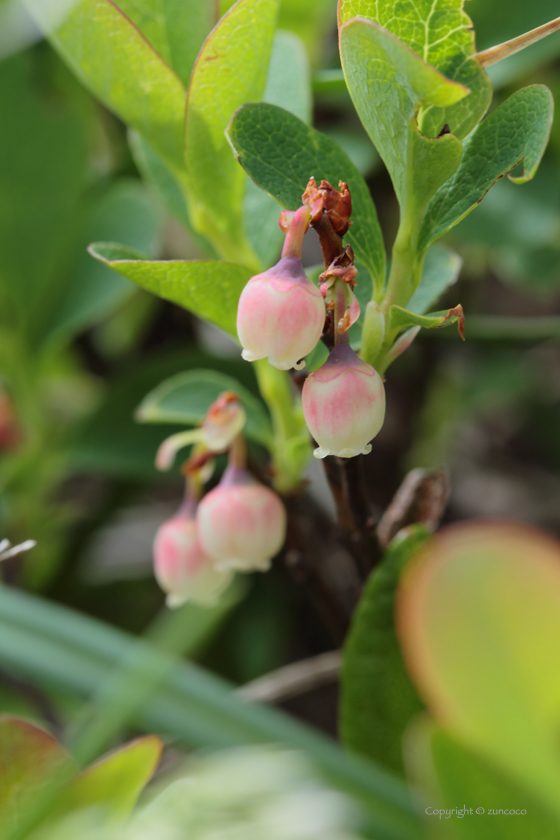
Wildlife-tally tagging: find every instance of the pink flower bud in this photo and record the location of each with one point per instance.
(281, 315)
(241, 523)
(223, 422)
(182, 568)
(343, 404)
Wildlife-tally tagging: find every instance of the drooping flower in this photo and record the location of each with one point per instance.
(241, 523)
(224, 420)
(182, 567)
(281, 315)
(343, 404)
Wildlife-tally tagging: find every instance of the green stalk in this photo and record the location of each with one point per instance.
(292, 447)
(404, 279)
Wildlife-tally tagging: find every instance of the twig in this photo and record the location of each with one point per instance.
(501, 51)
(355, 515)
(293, 680)
(316, 561)
(329, 240)
(364, 520)
(421, 499)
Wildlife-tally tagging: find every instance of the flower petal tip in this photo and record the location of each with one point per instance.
(320, 452)
(250, 357)
(173, 601)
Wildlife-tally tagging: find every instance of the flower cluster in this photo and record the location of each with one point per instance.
(239, 526)
(282, 315)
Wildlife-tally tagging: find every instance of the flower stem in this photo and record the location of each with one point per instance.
(291, 447)
(299, 226)
(238, 452)
(339, 310)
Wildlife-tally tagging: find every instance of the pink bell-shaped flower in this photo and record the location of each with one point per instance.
(241, 523)
(182, 567)
(343, 404)
(281, 315)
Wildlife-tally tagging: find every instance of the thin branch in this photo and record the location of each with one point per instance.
(420, 500)
(294, 680)
(363, 539)
(317, 562)
(501, 51)
(329, 240)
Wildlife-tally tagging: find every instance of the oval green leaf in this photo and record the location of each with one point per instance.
(186, 397)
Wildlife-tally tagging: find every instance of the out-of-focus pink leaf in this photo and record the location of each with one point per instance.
(30, 759)
(479, 623)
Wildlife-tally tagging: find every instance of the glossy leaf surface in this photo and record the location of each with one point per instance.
(208, 289)
(440, 271)
(281, 154)
(388, 83)
(186, 397)
(441, 33)
(516, 132)
(378, 698)
(230, 70)
(175, 28)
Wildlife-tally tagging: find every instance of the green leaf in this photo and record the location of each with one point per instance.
(357, 145)
(453, 776)
(516, 131)
(288, 85)
(441, 270)
(43, 173)
(230, 70)
(113, 60)
(29, 758)
(92, 292)
(281, 153)
(402, 319)
(111, 442)
(388, 83)
(51, 642)
(210, 290)
(154, 170)
(443, 37)
(478, 617)
(176, 29)
(115, 782)
(378, 699)
(186, 397)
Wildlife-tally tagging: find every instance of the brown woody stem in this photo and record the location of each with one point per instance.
(329, 240)
(501, 51)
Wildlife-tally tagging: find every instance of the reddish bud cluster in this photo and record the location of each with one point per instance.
(335, 204)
